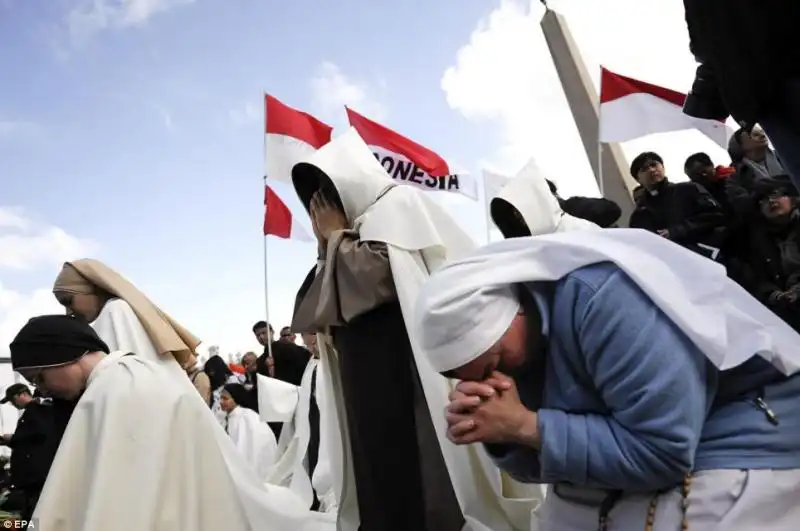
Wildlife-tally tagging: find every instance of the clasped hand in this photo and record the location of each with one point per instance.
(487, 412)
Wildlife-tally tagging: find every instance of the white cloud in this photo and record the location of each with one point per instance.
(505, 75)
(13, 218)
(249, 113)
(16, 308)
(26, 244)
(91, 16)
(332, 90)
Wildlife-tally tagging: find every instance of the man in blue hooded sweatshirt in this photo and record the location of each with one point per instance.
(581, 367)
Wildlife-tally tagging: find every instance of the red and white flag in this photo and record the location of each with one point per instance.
(292, 136)
(279, 221)
(410, 163)
(630, 109)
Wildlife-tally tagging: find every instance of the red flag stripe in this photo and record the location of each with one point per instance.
(614, 86)
(284, 120)
(375, 134)
(277, 216)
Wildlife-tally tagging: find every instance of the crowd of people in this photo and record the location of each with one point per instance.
(742, 214)
(645, 377)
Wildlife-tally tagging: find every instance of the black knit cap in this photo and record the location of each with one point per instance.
(53, 340)
(641, 160)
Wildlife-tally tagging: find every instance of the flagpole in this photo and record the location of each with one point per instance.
(600, 183)
(266, 255)
(487, 211)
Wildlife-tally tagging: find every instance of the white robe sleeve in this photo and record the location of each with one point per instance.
(277, 400)
(254, 440)
(322, 479)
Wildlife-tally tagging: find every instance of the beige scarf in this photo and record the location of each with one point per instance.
(83, 277)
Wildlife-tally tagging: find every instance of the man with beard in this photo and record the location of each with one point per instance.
(378, 242)
(590, 362)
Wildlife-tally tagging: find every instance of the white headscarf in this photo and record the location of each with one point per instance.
(455, 327)
(467, 305)
(529, 193)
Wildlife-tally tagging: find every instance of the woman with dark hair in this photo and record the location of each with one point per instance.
(253, 438)
(219, 374)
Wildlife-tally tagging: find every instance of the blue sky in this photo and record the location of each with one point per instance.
(135, 127)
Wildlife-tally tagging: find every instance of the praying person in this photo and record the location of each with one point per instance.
(123, 316)
(589, 360)
(252, 438)
(378, 241)
(526, 206)
(140, 453)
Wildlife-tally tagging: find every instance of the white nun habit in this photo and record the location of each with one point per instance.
(420, 237)
(529, 194)
(468, 305)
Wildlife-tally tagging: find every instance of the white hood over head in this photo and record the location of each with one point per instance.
(352, 168)
(467, 305)
(377, 207)
(529, 193)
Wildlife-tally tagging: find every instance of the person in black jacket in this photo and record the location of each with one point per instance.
(772, 265)
(289, 360)
(682, 212)
(33, 444)
(716, 180)
(600, 211)
(288, 363)
(749, 68)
